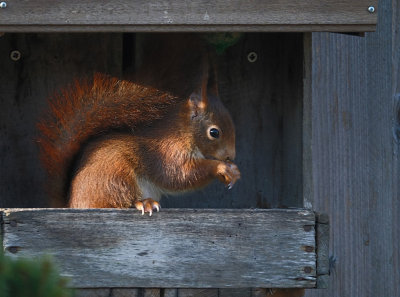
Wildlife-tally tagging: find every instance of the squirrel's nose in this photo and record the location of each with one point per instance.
(230, 156)
(229, 159)
(225, 154)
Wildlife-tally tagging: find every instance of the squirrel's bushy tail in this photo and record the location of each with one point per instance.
(88, 108)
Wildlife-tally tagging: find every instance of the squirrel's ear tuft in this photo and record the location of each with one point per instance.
(198, 100)
(212, 82)
(196, 103)
(209, 85)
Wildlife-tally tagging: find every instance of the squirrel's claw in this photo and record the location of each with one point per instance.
(228, 173)
(157, 207)
(139, 206)
(147, 205)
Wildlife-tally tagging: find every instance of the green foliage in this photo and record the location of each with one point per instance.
(30, 278)
(221, 41)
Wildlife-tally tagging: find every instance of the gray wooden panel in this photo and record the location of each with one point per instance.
(198, 293)
(307, 180)
(173, 248)
(151, 293)
(123, 292)
(95, 293)
(180, 15)
(322, 250)
(47, 62)
(246, 292)
(356, 155)
(170, 292)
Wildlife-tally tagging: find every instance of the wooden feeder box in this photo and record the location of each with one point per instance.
(213, 238)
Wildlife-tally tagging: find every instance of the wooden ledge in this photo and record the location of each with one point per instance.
(187, 16)
(185, 248)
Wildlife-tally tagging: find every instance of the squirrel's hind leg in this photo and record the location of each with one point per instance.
(105, 175)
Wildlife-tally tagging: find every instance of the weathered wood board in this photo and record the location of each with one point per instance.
(181, 15)
(174, 248)
(356, 155)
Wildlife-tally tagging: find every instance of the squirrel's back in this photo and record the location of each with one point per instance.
(87, 109)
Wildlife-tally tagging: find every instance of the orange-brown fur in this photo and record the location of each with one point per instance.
(118, 142)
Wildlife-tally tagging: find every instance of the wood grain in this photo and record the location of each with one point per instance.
(307, 165)
(246, 292)
(170, 292)
(180, 15)
(356, 155)
(123, 292)
(174, 248)
(322, 251)
(198, 293)
(95, 293)
(151, 293)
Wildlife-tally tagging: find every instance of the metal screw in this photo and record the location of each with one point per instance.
(307, 228)
(307, 269)
(308, 249)
(252, 57)
(3, 4)
(13, 249)
(371, 9)
(15, 55)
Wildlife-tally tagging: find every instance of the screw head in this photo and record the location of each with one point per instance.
(307, 269)
(371, 9)
(3, 4)
(15, 55)
(252, 57)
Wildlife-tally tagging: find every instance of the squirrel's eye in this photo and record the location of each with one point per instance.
(214, 133)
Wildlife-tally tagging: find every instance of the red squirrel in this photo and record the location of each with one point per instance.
(111, 143)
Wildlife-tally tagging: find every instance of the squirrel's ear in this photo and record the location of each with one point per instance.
(196, 103)
(198, 100)
(212, 84)
(208, 85)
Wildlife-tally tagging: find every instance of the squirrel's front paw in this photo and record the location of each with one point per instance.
(147, 205)
(228, 173)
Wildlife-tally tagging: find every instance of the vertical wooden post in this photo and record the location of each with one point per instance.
(322, 240)
(308, 194)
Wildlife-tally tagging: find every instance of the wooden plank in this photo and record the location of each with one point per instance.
(151, 292)
(95, 293)
(184, 28)
(356, 153)
(198, 293)
(180, 15)
(307, 174)
(245, 292)
(170, 293)
(322, 251)
(124, 292)
(109, 292)
(174, 248)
